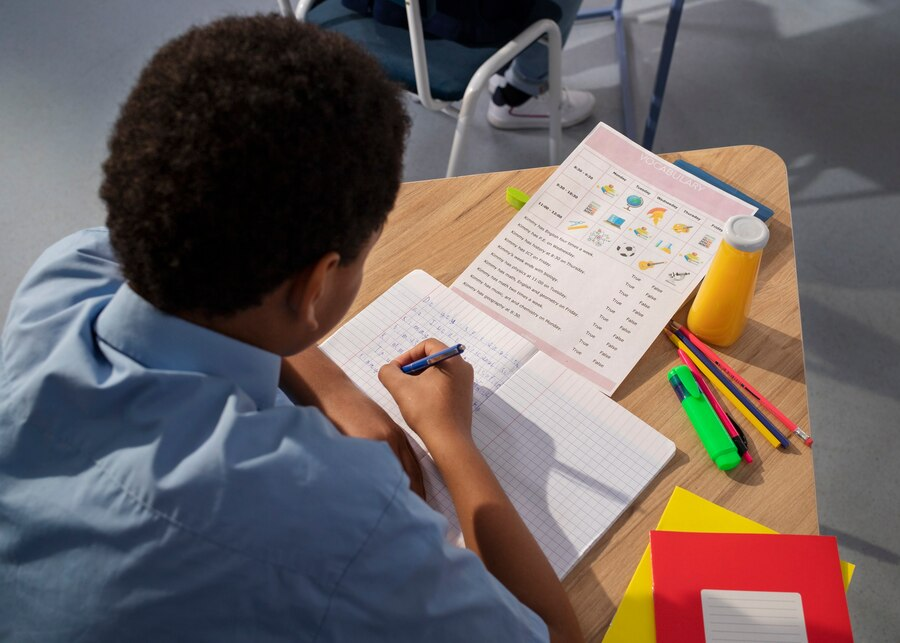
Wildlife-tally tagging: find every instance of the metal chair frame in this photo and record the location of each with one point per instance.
(543, 31)
(662, 71)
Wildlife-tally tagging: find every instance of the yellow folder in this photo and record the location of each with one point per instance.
(685, 511)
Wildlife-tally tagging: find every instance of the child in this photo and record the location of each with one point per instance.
(155, 483)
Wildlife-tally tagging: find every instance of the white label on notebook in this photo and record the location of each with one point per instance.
(734, 616)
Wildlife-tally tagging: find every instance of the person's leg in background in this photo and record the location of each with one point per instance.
(519, 99)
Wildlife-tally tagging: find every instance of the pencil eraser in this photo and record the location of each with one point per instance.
(516, 198)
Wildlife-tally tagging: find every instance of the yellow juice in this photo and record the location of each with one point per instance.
(720, 310)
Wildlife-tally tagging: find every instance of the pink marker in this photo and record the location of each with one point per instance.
(744, 384)
(726, 421)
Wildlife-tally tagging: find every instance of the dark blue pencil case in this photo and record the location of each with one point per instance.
(762, 212)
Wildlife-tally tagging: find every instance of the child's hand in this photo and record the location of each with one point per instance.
(436, 403)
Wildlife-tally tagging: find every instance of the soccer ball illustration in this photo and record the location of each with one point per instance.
(625, 250)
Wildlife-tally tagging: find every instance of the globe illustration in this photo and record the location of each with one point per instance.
(634, 201)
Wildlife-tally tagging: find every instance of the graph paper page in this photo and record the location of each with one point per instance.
(412, 310)
(570, 459)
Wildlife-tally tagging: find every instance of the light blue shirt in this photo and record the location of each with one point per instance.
(155, 485)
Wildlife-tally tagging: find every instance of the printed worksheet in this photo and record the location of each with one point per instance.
(601, 257)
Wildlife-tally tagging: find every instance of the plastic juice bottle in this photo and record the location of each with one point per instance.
(719, 312)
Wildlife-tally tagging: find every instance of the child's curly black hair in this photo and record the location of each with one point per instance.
(248, 149)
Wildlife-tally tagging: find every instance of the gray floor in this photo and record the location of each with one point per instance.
(815, 81)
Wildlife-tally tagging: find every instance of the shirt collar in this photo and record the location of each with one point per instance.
(135, 327)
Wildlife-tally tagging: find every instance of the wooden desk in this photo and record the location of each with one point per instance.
(777, 490)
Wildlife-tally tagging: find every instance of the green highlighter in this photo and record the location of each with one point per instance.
(706, 423)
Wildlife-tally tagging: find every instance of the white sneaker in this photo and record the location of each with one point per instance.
(495, 81)
(576, 106)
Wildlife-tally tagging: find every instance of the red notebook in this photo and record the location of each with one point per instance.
(747, 587)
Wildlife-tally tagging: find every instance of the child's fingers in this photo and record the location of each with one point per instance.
(421, 350)
(390, 375)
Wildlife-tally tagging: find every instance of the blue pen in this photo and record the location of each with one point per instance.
(421, 364)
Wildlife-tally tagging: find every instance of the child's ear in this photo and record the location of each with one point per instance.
(308, 287)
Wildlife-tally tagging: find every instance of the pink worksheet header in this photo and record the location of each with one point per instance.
(649, 168)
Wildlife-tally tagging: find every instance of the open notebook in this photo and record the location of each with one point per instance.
(570, 459)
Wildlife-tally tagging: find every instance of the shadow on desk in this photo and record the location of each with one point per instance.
(765, 347)
(779, 253)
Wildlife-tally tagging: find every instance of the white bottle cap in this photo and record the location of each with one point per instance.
(746, 233)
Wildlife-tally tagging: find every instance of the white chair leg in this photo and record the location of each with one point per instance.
(285, 7)
(462, 125)
(302, 8)
(554, 68)
(545, 31)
